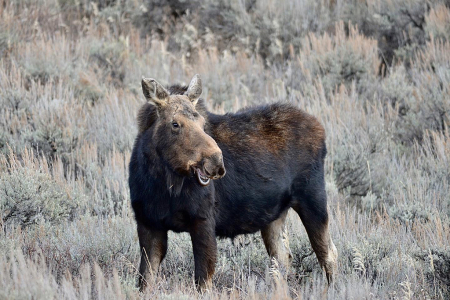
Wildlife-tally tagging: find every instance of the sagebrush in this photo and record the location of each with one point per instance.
(375, 73)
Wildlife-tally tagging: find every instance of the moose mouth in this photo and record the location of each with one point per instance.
(202, 178)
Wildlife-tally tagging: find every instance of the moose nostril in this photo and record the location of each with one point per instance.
(221, 171)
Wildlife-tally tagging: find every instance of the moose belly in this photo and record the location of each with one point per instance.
(249, 209)
(253, 193)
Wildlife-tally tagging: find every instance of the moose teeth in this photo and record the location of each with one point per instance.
(203, 180)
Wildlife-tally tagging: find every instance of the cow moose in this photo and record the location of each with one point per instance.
(224, 175)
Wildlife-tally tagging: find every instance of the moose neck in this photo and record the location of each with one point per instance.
(174, 182)
(160, 170)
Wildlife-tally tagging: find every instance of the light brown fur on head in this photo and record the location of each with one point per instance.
(178, 129)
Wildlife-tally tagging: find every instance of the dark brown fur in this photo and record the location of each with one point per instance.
(274, 157)
(146, 116)
(272, 130)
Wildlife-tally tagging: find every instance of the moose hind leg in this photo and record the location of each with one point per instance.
(314, 215)
(276, 240)
(153, 245)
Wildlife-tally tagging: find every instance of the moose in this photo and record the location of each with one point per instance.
(225, 175)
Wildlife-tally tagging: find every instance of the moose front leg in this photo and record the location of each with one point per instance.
(153, 244)
(204, 246)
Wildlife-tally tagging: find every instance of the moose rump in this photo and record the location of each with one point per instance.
(224, 175)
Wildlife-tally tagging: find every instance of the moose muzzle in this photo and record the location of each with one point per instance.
(211, 168)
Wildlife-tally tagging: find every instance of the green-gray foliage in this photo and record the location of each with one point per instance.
(375, 74)
(31, 197)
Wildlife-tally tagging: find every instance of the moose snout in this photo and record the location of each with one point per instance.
(214, 167)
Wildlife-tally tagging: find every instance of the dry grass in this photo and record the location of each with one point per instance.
(69, 94)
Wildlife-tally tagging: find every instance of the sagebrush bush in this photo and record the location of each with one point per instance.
(436, 268)
(226, 74)
(422, 98)
(109, 243)
(105, 178)
(396, 25)
(340, 58)
(8, 39)
(30, 195)
(88, 88)
(437, 22)
(110, 58)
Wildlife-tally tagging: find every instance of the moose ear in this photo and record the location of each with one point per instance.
(195, 89)
(154, 92)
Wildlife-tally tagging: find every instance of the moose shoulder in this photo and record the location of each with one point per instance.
(224, 175)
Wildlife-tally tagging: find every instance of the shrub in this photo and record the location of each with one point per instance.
(110, 58)
(436, 267)
(226, 75)
(396, 25)
(339, 59)
(8, 39)
(111, 243)
(437, 22)
(30, 195)
(435, 155)
(105, 175)
(269, 29)
(426, 101)
(361, 148)
(88, 88)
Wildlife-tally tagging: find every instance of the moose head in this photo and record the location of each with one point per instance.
(179, 135)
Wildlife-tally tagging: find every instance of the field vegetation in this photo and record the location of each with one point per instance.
(376, 73)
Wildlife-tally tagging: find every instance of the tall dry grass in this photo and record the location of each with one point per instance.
(375, 73)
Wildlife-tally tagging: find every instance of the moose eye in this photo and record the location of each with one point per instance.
(175, 125)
